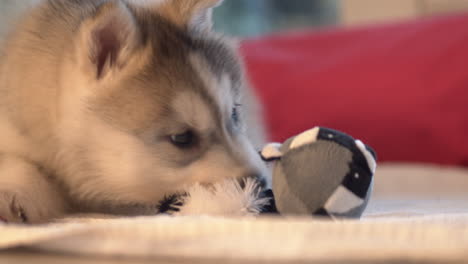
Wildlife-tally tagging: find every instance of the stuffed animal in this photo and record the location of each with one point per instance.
(320, 172)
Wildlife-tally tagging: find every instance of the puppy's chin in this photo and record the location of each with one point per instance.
(121, 209)
(228, 198)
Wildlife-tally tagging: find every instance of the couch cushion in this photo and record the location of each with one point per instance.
(402, 88)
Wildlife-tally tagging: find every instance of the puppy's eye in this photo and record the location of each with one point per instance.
(235, 114)
(184, 140)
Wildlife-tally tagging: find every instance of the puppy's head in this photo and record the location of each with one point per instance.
(152, 103)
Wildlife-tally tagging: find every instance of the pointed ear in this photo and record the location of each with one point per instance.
(194, 15)
(108, 39)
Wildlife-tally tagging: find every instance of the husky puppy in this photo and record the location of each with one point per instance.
(109, 105)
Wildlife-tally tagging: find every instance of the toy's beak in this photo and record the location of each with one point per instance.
(271, 152)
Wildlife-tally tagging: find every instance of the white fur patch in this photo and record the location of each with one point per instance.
(224, 199)
(193, 111)
(219, 90)
(342, 200)
(305, 138)
(370, 159)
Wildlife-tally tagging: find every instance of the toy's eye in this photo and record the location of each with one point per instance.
(183, 140)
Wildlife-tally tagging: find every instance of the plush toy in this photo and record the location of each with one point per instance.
(320, 172)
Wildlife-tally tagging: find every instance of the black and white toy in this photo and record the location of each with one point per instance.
(321, 172)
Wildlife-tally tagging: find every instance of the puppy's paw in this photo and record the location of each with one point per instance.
(11, 208)
(16, 207)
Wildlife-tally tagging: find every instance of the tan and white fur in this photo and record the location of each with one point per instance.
(109, 105)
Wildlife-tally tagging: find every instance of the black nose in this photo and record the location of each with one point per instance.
(271, 207)
(257, 177)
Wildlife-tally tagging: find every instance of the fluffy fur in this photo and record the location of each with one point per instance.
(92, 94)
(225, 198)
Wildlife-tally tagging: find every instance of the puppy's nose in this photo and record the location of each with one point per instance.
(257, 177)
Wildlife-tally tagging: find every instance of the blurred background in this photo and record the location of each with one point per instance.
(391, 72)
(258, 17)
(247, 18)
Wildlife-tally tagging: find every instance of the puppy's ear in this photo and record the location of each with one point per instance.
(107, 40)
(193, 15)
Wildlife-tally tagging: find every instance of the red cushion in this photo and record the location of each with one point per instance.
(403, 88)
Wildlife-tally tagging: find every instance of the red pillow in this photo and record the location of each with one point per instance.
(402, 88)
